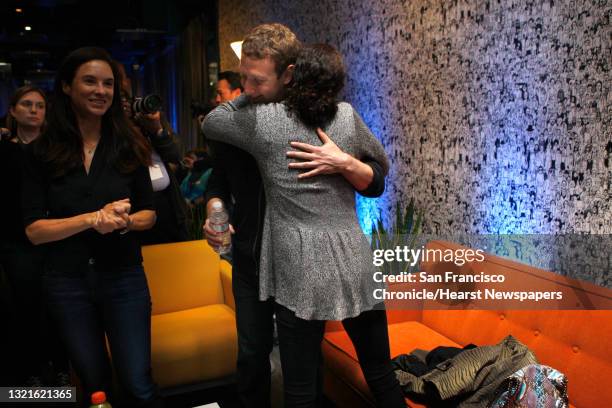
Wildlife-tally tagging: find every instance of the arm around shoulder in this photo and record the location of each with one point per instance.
(233, 123)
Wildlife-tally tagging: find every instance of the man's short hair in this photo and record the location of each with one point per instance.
(232, 78)
(275, 41)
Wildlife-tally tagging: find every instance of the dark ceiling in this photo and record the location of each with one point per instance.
(130, 29)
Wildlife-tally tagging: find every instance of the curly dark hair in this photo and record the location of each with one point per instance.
(61, 146)
(318, 77)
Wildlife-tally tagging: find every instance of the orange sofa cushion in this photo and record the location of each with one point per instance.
(193, 345)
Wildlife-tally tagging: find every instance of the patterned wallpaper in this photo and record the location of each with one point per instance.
(495, 114)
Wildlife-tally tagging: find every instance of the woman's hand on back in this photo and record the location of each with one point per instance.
(315, 160)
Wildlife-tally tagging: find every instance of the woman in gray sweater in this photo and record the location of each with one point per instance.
(315, 261)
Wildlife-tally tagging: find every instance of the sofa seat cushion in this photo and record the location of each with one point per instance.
(341, 359)
(193, 345)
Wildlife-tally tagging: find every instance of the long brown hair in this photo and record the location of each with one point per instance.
(61, 146)
(11, 122)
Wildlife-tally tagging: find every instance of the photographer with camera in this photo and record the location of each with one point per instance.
(194, 183)
(172, 213)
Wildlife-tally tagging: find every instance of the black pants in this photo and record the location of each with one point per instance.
(300, 349)
(34, 338)
(255, 325)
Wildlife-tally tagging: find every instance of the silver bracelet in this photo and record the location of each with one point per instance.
(127, 228)
(97, 221)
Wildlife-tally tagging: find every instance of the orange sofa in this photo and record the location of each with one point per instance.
(576, 342)
(193, 324)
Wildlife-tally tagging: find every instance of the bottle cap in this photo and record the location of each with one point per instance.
(98, 397)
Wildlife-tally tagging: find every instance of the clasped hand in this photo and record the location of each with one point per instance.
(113, 216)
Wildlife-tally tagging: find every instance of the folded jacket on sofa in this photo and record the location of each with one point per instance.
(471, 378)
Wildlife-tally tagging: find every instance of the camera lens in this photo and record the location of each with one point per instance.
(148, 104)
(152, 103)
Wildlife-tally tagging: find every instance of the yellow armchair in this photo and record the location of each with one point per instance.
(193, 324)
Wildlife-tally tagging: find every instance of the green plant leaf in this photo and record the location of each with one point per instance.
(409, 218)
(398, 227)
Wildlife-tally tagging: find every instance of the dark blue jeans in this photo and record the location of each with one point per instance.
(300, 351)
(255, 326)
(115, 302)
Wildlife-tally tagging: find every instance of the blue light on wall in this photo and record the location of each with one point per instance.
(172, 94)
(369, 210)
(500, 212)
(514, 180)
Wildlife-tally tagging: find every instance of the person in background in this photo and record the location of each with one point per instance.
(37, 352)
(185, 165)
(195, 181)
(228, 87)
(26, 116)
(196, 178)
(86, 189)
(172, 213)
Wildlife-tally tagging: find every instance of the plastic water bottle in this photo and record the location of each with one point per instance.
(219, 222)
(98, 400)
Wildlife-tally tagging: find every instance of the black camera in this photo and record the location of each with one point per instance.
(200, 108)
(147, 104)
